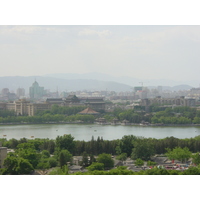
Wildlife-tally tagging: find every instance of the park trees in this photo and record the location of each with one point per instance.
(178, 153)
(139, 162)
(151, 163)
(65, 142)
(196, 158)
(106, 159)
(96, 166)
(64, 157)
(15, 165)
(28, 152)
(125, 145)
(122, 157)
(143, 149)
(64, 170)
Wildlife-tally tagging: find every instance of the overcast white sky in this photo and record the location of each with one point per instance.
(170, 52)
(143, 52)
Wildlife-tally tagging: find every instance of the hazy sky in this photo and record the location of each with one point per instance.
(145, 52)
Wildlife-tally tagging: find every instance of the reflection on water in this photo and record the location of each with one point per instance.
(85, 132)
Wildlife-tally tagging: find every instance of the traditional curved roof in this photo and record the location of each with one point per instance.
(89, 111)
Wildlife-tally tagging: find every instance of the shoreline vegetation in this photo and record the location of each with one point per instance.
(156, 116)
(104, 124)
(97, 156)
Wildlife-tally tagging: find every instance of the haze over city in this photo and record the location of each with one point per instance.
(142, 52)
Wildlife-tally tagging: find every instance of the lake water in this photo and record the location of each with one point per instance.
(85, 132)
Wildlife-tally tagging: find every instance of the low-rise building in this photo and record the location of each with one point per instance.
(179, 101)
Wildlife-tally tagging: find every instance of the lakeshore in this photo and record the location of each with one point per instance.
(86, 123)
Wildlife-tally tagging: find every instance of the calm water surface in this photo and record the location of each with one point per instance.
(85, 132)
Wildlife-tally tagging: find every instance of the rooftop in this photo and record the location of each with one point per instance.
(88, 111)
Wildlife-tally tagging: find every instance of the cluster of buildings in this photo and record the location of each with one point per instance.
(7, 95)
(40, 99)
(178, 101)
(24, 107)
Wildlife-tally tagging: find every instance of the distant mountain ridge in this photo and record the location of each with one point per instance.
(132, 81)
(53, 84)
(71, 82)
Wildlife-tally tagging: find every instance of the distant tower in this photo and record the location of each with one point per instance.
(20, 92)
(35, 91)
(5, 91)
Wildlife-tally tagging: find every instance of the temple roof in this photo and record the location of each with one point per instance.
(88, 111)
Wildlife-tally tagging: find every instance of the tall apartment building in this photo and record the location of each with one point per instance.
(4, 91)
(20, 92)
(35, 91)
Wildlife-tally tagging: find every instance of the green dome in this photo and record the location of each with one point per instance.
(35, 84)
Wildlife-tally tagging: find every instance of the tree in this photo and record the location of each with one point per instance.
(43, 164)
(64, 157)
(64, 170)
(143, 149)
(85, 160)
(52, 162)
(106, 159)
(196, 158)
(122, 157)
(28, 152)
(96, 166)
(16, 165)
(181, 154)
(150, 163)
(92, 159)
(139, 162)
(45, 154)
(65, 142)
(125, 145)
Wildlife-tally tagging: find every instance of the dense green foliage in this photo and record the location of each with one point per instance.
(60, 171)
(150, 163)
(15, 165)
(196, 158)
(63, 114)
(139, 162)
(96, 166)
(181, 154)
(122, 157)
(106, 159)
(64, 157)
(7, 113)
(122, 170)
(157, 115)
(35, 153)
(143, 149)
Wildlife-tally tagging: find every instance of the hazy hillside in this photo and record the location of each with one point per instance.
(132, 81)
(72, 84)
(62, 84)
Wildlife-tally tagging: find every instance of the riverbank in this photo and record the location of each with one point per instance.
(116, 124)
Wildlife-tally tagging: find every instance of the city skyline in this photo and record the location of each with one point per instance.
(143, 52)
